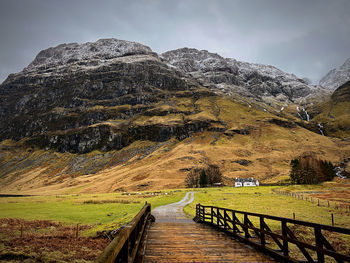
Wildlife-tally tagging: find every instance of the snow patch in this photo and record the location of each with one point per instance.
(87, 53)
(337, 77)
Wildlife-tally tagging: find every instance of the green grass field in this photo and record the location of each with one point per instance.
(101, 211)
(110, 211)
(263, 200)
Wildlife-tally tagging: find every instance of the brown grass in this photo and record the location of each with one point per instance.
(47, 241)
(268, 147)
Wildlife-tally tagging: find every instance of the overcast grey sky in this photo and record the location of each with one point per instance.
(304, 37)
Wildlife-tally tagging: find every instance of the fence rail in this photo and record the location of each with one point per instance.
(317, 201)
(126, 245)
(275, 243)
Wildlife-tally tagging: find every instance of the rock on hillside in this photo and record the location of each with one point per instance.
(79, 98)
(337, 77)
(108, 94)
(261, 82)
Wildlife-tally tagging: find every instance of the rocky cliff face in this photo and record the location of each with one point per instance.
(260, 82)
(337, 77)
(129, 119)
(81, 97)
(110, 93)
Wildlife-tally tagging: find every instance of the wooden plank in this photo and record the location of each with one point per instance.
(190, 242)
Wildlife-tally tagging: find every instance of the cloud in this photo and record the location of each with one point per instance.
(303, 37)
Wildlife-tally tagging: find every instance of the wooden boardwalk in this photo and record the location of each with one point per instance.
(175, 238)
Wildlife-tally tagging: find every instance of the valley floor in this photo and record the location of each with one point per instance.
(53, 219)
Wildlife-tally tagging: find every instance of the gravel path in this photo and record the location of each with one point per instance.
(174, 212)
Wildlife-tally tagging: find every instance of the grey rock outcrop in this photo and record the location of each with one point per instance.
(261, 82)
(104, 95)
(79, 98)
(337, 77)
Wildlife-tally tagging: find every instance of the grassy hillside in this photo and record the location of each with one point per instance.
(334, 114)
(236, 132)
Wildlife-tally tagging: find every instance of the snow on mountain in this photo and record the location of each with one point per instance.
(257, 81)
(337, 77)
(192, 60)
(90, 52)
(247, 79)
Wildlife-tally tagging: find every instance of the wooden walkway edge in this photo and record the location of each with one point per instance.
(173, 237)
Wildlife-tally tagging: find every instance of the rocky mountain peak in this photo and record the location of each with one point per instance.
(103, 49)
(337, 77)
(229, 75)
(191, 60)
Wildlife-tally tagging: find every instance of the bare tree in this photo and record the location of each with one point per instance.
(207, 176)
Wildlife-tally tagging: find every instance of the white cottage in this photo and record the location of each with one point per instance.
(240, 182)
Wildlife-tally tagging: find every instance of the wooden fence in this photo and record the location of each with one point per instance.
(126, 245)
(276, 243)
(319, 202)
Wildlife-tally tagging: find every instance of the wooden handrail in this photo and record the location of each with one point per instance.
(288, 220)
(125, 246)
(226, 220)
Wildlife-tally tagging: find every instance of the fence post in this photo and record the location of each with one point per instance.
(225, 221)
(332, 219)
(319, 244)
(212, 215)
(234, 225)
(285, 242)
(263, 241)
(217, 217)
(246, 230)
(203, 213)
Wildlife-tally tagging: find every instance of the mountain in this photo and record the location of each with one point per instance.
(261, 82)
(113, 116)
(78, 98)
(337, 77)
(334, 114)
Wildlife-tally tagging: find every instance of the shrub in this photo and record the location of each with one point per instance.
(309, 170)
